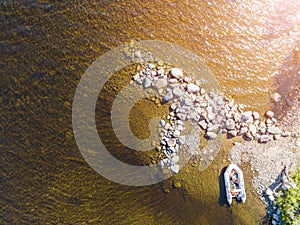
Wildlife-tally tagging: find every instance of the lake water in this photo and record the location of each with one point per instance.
(46, 46)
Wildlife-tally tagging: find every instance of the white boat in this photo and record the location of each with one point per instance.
(234, 184)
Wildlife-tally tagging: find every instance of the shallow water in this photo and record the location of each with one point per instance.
(45, 49)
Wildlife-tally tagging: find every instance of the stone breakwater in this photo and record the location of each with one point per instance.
(212, 112)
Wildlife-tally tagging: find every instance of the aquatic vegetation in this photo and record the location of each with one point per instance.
(289, 201)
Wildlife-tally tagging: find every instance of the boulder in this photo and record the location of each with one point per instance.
(277, 97)
(230, 124)
(181, 116)
(162, 122)
(269, 114)
(168, 97)
(175, 168)
(210, 135)
(274, 130)
(264, 138)
(177, 92)
(160, 83)
(173, 81)
(177, 73)
(147, 82)
(175, 159)
(252, 129)
(171, 142)
(256, 115)
(193, 88)
(177, 184)
(203, 124)
(232, 133)
(176, 133)
(188, 102)
(181, 140)
(247, 116)
(213, 127)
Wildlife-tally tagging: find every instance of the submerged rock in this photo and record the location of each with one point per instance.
(147, 83)
(175, 168)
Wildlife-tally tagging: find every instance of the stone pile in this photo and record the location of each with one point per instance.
(212, 112)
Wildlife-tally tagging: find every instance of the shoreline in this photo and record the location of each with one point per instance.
(268, 159)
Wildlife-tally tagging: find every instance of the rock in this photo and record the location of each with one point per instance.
(175, 159)
(181, 116)
(175, 168)
(276, 97)
(269, 121)
(243, 130)
(272, 198)
(161, 71)
(147, 82)
(202, 91)
(236, 143)
(232, 133)
(231, 103)
(168, 97)
(160, 83)
(211, 116)
(153, 73)
(269, 114)
(247, 136)
(177, 73)
(247, 116)
(177, 184)
(173, 106)
(230, 124)
(151, 66)
(176, 133)
(275, 216)
(264, 138)
(273, 130)
(167, 126)
(286, 134)
(193, 88)
(181, 140)
(196, 118)
(277, 136)
(162, 123)
(213, 127)
(237, 117)
(269, 192)
(187, 79)
(210, 135)
(188, 102)
(252, 129)
(256, 115)
(177, 92)
(173, 81)
(171, 142)
(203, 124)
